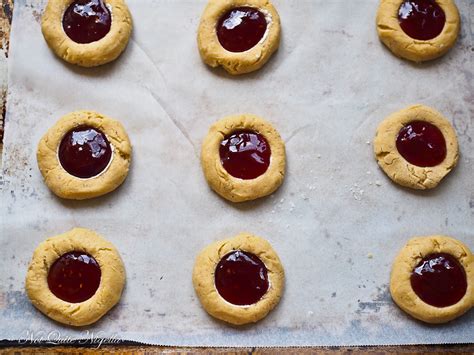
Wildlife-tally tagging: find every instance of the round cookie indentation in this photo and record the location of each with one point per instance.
(421, 19)
(416, 147)
(257, 287)
(245, 154)
(84, 155)
(241, 278)
(238, 35)
(84, 152)
(87, 21)
(74, 277)
(241, 28)
(439, 280)
(422, 144)
(87, 33)
(418, 30)
(239, 165)
(432, 279)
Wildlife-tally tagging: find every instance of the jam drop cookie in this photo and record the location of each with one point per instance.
(432, 279)
(239, 280)
(416, 147)
(243, 158)
(87, 32)
(239, 35)
(418, 30)
(76, 277)
(84, 155)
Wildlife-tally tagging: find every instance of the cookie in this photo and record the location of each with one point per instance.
(416, 147)
(243, 158)
(76, 277)
(432, 279)
(238, 280)
(87, 32)
(84, 155)
(418, 30)
(239, 35)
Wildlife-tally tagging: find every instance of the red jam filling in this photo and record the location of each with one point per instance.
(439, 280)
(241, 278)
(245, 154)
(84, 152)
(422, 144)
(241, 28)
(74, 277)
(421, 19)
(87, 21)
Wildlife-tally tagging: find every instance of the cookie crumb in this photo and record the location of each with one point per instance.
(356, 192)
(370, 255)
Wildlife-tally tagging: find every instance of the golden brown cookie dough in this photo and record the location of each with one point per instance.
(68, 186)
(91, 54)
(212, 52)
(402, 45)
(410, 256)
(204, 285)
(400, 170)
(229, 187)
(111, 282)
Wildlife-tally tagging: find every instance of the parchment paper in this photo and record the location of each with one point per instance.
(326, 90)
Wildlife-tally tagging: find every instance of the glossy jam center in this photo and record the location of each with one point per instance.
(241, 278)
(87, 21)
(421, 144)
(421, 19)
(241, 28)
(84, 152)
(245, 154)
(74, 277)
(439, 280)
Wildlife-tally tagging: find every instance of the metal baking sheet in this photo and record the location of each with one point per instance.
(337, 222)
